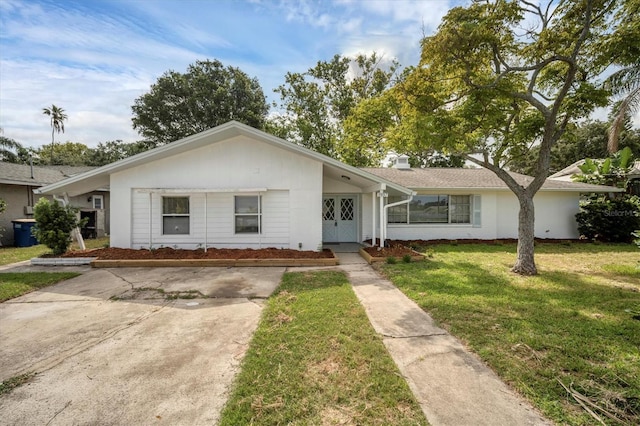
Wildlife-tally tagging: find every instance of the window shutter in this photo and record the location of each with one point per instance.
(477, 211)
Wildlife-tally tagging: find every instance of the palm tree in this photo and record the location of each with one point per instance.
(57, 117)
(624, 82)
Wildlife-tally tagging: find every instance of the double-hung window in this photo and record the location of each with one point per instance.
(248, 214)
(431, 209)
(175, 215)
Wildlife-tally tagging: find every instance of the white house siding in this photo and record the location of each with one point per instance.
(218, 231)
(555, 215)
(486, 229)
(291, 202)
(555, 218)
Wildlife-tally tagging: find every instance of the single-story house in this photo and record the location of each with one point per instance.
(17, 185)
(235, 186)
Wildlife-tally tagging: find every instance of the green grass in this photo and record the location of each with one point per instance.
(12, 383)
(315, 359)
(577, 322)
(18, 254)
(14, 284)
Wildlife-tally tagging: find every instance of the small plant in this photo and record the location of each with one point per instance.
(54, 224)
(391, 260)
(429, 253)
(406, 258)
(3, 207)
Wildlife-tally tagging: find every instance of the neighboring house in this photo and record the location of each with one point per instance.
(235, 186)
(568, 172)
(17, 183)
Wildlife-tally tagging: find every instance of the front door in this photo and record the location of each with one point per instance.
(339, 219)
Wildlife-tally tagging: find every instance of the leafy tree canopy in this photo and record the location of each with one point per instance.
(9, 149)
(585, 140)
(498, 77)
(207, 95)
(60, 154)
(111, 151)
(319, 101)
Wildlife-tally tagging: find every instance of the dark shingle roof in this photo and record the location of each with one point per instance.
(20, 174)
(445, 178)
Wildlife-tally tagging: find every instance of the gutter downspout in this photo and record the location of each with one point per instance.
(65, 202)
(383, 237)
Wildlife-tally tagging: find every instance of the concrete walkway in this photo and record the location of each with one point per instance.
(451, 384)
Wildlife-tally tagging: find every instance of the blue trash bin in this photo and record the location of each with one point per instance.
(22, 236)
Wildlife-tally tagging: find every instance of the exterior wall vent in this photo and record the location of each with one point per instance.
(28, 210)
(402, 162)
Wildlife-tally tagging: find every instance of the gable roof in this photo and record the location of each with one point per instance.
(455, 178)
(99, 178)
(21, 174)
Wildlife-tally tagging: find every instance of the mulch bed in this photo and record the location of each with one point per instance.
(394, 249)
(114, 253)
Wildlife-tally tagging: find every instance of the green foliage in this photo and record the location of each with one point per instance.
(14, 284)
(497, 78)
(3, 207)
(315, 359)
(207, 95)
(609, 220)
(54, 224)
(406, 258)
(57, 116)
(572, 322)
(585, 140)
(111, 151)
(611, 171)
(319, 102)
(391, 260)
(61, 154)
(6, 386)
(9, 149)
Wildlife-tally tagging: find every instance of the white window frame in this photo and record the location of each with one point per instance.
(98, 197)
(257, 214)
(473, 215)
(164, 215)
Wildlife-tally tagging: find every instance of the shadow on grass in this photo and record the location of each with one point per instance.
(534, 330)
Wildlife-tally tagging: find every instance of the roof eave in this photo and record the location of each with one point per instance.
(233, 128)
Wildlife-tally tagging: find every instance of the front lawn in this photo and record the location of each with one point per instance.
(567, 339)
(315, 359)
(18, 254)
(14, 284)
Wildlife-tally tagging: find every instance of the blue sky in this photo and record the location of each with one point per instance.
(94, 58)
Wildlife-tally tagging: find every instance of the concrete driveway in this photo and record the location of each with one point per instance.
(115, 346)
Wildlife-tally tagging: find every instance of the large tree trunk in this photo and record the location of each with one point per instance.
(525, 264)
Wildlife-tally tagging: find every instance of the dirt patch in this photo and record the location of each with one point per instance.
(394, 250)
(114, 253)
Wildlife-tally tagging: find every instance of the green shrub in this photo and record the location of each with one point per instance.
(54, 224)
(391, 260)
(406, 258)
(3, 207)
(609, 220)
